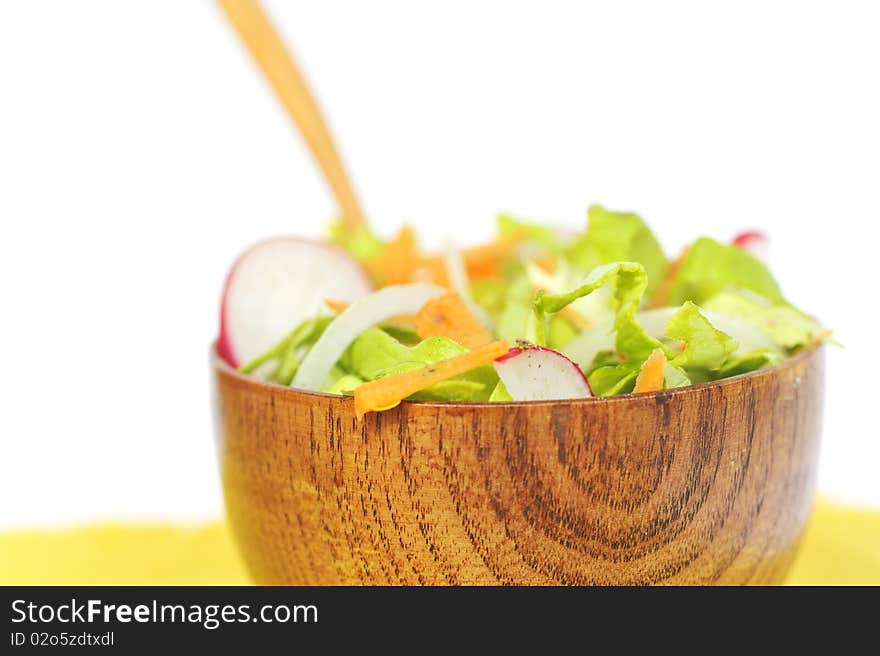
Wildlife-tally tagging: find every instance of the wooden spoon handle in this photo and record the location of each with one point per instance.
(267, 48)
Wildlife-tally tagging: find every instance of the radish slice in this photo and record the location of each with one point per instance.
(753, 242)
(277, 284)
(537, 373)
(362, 314)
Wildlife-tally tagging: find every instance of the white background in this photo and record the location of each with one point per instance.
(140, 150)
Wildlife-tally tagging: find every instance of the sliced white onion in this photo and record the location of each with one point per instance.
(357, 317)
(459, 282)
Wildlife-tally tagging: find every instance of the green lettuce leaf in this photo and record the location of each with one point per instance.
(710, 266)
(295, 351)
(706, 347)
(618, 237)
(376, 354)
(287, 367)
(344, 384)
(485, 376)
(752, 361)
(361, 244)
(788, 326)
(500, 393)
(604, 359)
(403, 334)
(542, 235)
(513, 324)
(674, 377)
(490, 294)
(453, 390)
(596, 307)
(560, 331)
(614, 379)
(630, 281)
(288, 352)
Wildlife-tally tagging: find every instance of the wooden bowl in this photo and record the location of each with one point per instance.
(701, 485)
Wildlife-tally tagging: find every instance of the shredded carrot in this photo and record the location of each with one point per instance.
(337, 306)
(432, 269)
(395, 263)
(405, 319)
(449, 315)
(480, 261)
(661, 294)
(483, 261)
(401, 262)
(387, 392)
(651, 376)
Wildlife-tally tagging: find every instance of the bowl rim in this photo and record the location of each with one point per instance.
(221, 367)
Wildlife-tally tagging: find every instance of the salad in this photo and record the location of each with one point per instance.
(537, 314)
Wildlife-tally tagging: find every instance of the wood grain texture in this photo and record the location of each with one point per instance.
(709, 484)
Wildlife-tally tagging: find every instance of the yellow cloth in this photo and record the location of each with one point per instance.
(118, 554)
(841, 547)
